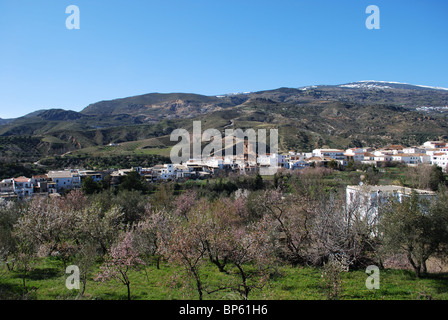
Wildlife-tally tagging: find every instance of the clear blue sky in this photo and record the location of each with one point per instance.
(210, 47)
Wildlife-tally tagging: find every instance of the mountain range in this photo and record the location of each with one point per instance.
(365, 113)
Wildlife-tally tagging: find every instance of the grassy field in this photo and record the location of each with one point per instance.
(288, 283)
(145, 147)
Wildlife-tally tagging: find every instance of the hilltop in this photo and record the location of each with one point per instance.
(365, 113)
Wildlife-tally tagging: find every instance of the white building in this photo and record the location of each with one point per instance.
(366, 199)
(434, 144)
(7, 189)
(414, 150)
(297, 164)
(382, 157)
(354, 154)
(440, 159)
(267, 160)
(23, 187)
(411, 158)
(335, 154)
(65, 180)
(182, 171)
(96, 176)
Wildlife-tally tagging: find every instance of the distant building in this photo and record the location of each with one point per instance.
(411, 158)
(7, 189)
(23, 187)
(96, 176)
(354, 154)
(335, 154)
(440, 159)
(434, 144)
(366, 199)
(65, 180)
(43, 185)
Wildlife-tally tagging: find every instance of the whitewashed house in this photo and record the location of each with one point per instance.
(65, 180)
(335, 154)
(182, 171)
(434, 144)
(23, 187)
(408, 158)
(96, 176)
(414, 150)
(7, 189)
(365, 200)
(297, 164)
(164, 171)
(354, 154)
(440, 159)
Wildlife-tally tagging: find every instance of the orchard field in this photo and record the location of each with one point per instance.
(284, 237)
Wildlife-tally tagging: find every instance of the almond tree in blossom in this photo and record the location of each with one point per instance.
(251, 256)
(48, 227)
(292, 217)
(217, 221)
(152, 232)
(121, 258)
(186, 249)
(185, 202)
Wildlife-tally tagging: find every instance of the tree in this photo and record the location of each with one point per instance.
(218, 220)
(25, 253)
(333, 164)
(152, 233)
(186, 249)
(414, 227)
(48, 225)
(292, 218)
(133, 181)
(331, 276)
(439, 215)
(436, 178)
(121, 258)
(418, 177)
(132, 204)
(98, 225)
(89, 186)
(9, 213)
(251, 256)
(185, 202)
(258, 182)
(85, 258)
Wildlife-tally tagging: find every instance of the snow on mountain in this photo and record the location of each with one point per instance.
(373, 84)
(367, 85)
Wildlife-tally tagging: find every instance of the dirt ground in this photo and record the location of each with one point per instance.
(434, 265)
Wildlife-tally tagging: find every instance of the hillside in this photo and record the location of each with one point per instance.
(158, 106)
(364, 113)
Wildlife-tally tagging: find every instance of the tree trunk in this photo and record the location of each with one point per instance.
(417, 267)
(84, 282)
(425, 270)
(129, 290)
(24, 281)
(244, 280)
(198, 282)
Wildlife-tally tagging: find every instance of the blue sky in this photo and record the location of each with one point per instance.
(211, 47)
